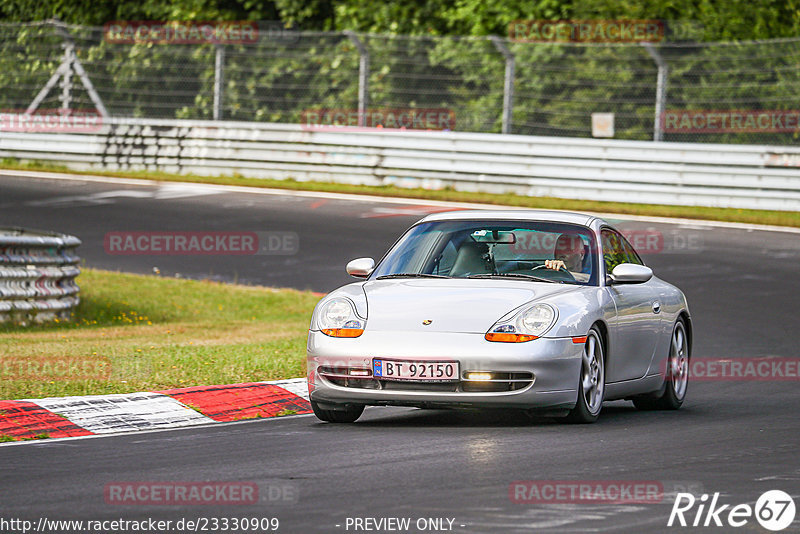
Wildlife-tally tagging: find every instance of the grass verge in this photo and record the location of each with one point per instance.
(777, 218)
(143, 333)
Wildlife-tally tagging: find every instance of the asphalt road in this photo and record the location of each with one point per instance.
(738, 438)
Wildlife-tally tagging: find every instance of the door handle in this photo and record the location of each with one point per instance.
(656, 306)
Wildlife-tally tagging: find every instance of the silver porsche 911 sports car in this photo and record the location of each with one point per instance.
(550, 312)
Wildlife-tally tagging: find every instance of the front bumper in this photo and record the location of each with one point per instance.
(553, 365)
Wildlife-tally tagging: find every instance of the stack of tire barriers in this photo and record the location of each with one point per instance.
(37, 276)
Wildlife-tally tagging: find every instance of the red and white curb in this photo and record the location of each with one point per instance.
(58, 417)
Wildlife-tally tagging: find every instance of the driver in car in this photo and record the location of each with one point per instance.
(569, 253)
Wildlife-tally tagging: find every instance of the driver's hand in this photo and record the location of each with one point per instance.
(555, 264)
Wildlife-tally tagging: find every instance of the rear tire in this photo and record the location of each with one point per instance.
(676, 379)
(346, 415)
(591, 382)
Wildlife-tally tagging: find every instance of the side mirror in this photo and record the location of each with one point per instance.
(361, 267)
(630, 273)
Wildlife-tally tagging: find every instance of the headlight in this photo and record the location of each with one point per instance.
(338, 318)
(524, 325)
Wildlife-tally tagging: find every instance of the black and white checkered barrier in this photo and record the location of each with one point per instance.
(37, 275)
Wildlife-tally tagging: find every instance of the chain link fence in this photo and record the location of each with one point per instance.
(663, 91)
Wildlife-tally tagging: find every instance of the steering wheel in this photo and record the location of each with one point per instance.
(559, 270)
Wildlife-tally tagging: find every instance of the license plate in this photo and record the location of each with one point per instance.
(411, 370)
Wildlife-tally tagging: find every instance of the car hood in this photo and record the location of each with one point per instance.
(452, 305)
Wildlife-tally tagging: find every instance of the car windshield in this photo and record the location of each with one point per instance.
(535, 250)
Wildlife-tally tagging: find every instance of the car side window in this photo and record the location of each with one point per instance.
(613, 251)
(616, 250)
(630, 253)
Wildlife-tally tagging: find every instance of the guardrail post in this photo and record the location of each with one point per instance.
(661, 90)
(363, 77)
(508, 86)
(219, 72)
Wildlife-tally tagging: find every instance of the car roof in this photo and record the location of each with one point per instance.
(522, 214)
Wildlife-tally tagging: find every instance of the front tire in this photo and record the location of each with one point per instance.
(347, 415)
(676, 381)
(592, 381)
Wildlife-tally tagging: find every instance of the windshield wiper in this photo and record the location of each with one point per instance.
(410, 275)
(515, 275)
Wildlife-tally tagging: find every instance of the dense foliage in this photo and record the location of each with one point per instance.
(423, 54)
(722, 20)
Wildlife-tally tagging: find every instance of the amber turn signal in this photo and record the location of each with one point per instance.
(508, 338)
(343, 332)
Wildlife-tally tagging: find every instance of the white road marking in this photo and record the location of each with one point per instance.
(106, 197)
(164, 192)
(183, 190)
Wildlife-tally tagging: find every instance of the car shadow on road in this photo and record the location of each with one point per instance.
(613, 414)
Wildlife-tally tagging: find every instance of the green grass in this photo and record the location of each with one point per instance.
(779, 218)
(144, 333)
(5, 438)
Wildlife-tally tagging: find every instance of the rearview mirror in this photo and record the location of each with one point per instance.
(630, 273)
(494, 236)
(361, 267)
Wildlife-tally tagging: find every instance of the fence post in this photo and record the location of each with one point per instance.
(66, 80)
(69, 64)
(219, 73)
(508, 86)
(363, 77)
(661, 90)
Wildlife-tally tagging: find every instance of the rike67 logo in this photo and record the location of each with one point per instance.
(774, 510)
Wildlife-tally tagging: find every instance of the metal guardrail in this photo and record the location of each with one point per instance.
(736, 176)
(37, 275)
